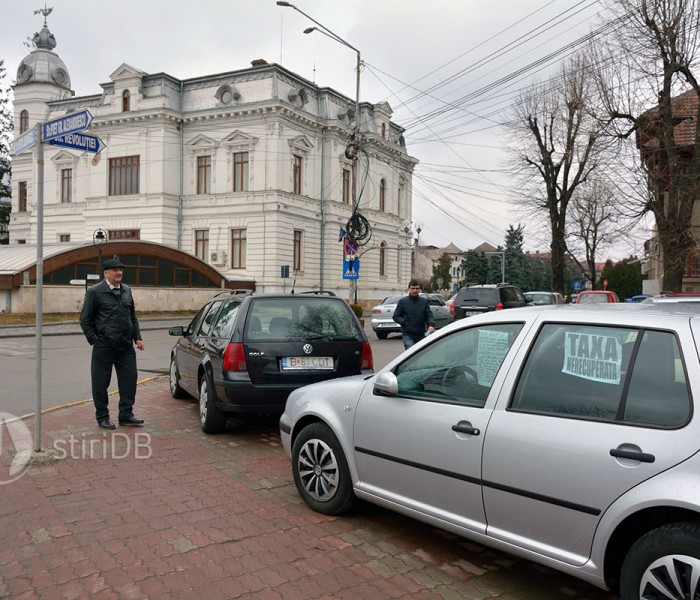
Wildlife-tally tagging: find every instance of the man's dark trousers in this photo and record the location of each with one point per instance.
(123, 359)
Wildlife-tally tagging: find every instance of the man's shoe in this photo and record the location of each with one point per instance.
(106, 424)
(131, 421)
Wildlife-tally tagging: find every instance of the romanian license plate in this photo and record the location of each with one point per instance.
(473, 313)
(386, 324)
(293, 363)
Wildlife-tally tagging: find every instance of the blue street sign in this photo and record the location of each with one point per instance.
(578, 285)
(69, 124)
(79, 141)
(25, 141)
(351, 269)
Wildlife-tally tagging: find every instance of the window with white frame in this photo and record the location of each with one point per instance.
(66, 185)
(240, 171)
(297, 249)
(123, 175)
(203, 175)
(238, 248)
(201, 244)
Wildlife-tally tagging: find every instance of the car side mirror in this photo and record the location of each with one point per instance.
(386, 384)
(177, 330)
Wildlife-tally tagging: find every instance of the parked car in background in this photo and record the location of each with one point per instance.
(474, 300)
(383, 314)
(675, 298)
(568, 437)
(536, 298)
(244, 353)
(596, 297)
(638, 298)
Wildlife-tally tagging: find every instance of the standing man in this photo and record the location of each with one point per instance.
(414, 315)
(108, 320)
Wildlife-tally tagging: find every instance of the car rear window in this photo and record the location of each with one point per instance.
(301, 319)
(478, 296)
(593, 299)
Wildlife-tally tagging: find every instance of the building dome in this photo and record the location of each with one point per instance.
(43, 65)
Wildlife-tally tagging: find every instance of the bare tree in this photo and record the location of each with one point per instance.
(557, 141)
(594, 224)
(648, 74)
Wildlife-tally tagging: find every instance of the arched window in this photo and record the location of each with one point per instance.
(382, 195)
(126, 101)
(23, 121)
(382, 259)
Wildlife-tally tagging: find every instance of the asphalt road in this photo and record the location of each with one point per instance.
(65, 372)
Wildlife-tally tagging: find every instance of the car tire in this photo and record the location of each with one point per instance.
(211, 419)
(381, 336)
(668, 559)
(175, 390)
(321, 471)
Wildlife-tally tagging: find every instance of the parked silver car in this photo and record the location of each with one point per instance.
(383, 314)
(571, 438)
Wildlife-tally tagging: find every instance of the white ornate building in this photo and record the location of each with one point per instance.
(245, 170)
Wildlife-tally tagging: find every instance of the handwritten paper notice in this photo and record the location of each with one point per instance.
(493, 346)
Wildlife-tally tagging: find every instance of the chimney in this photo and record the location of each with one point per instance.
(258, 62)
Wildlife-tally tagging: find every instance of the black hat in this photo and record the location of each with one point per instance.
(112, 263)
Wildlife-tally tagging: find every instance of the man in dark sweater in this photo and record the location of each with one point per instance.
(414, 315)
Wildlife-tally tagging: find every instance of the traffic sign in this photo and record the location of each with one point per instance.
(25, 141)
(351, 269)
(79, 141)
(69, 124)
(578, 286)
(350, 247)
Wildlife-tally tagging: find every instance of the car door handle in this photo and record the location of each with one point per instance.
(466, 427)
(633, 455)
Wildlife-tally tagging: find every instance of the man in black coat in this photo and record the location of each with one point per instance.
(414, 315)
(108, 320)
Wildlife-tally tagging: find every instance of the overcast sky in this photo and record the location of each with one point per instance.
(420, 57)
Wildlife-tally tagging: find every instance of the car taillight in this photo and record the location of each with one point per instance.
(234, 358)
(367, 358)
(451, 306)
(377, 311)
(499, 306)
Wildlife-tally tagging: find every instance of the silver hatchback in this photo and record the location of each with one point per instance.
(567, 437)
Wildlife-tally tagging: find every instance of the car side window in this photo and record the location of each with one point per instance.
(458, 368)
(209, 318)
(194, 323)
(611, 374)
(224, 323)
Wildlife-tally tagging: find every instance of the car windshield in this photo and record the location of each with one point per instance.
(301, 319)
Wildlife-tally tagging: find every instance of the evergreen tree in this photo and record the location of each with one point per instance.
(624, 278)
(5, 164)
(475, 268)
(441, 270)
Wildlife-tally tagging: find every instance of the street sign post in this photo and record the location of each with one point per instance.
(79, 141)
(66, 125)
(25, 141)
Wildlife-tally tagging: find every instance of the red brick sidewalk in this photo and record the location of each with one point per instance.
(165, 511)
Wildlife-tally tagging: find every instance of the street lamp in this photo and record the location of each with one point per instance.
(334, 36)
(99, 239)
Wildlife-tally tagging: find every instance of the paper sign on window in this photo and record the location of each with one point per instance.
(594, 357)
(493, 346)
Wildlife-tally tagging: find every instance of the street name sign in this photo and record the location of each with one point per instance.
(79, 141)
(25, 141)
(66, 125)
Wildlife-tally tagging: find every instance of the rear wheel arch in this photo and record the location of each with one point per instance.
(634, 527)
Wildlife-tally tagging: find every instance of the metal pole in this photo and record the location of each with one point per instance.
(39, 281)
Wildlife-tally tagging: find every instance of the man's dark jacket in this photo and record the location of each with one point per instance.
(414, 315)
(109, 317)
